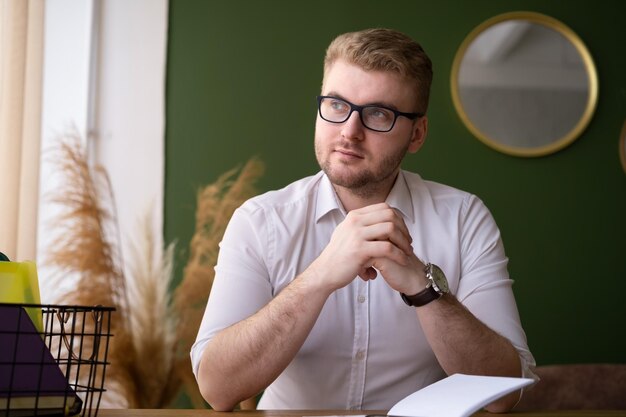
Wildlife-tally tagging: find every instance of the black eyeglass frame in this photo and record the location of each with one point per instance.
(359, 109)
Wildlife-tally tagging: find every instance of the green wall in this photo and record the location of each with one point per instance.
(241, 81)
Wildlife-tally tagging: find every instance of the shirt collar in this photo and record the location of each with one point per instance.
(399, 198)
(327, 199)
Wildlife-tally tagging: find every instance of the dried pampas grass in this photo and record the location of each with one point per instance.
(84, 226)
(86, 251)
(153, 332)
(215, 206)
(152, 320)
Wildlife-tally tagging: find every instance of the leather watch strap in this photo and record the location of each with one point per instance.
(421, 298)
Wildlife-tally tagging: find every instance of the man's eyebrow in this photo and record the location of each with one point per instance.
(335, 94)
(376, 103)
(383, 104)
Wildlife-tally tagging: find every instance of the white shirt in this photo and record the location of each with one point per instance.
(367, 349)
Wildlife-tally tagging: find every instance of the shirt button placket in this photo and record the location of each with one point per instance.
(361, 338)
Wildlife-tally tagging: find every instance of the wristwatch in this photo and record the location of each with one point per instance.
(437, 286)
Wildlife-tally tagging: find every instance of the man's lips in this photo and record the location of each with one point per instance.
(349, 153)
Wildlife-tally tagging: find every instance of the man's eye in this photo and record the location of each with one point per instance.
(380, 114)
(338, 106)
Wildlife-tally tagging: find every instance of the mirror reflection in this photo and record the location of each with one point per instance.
(524, 84)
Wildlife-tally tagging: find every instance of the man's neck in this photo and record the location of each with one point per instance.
(353, 199)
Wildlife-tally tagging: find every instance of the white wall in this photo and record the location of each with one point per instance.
(67, 39)
(130, 122)
(105, 74)
(66, 65)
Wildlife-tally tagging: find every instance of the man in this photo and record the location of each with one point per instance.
(312, 283)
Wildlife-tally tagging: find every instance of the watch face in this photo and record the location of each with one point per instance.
(439, 279)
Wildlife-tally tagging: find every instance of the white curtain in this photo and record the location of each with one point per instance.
(21, 58)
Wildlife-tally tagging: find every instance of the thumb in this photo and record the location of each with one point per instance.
(368, 273)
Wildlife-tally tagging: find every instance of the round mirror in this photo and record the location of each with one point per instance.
(524, 84)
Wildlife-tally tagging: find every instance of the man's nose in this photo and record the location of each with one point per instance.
(353, 127)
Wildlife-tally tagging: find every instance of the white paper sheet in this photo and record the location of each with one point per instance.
(458, 395)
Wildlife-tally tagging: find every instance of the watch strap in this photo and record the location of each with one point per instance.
(421, 298)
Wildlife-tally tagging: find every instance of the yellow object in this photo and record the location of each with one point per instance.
(19, 284)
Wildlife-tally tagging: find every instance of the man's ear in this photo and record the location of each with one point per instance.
(420, 129)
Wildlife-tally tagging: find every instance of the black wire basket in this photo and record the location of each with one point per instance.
(53, 359)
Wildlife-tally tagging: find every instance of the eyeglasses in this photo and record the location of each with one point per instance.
(376, 118)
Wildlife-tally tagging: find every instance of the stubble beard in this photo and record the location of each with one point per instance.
(367, 182)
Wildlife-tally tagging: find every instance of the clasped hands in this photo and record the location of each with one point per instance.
(371, 238)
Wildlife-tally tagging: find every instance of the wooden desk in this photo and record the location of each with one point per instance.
(300, 413)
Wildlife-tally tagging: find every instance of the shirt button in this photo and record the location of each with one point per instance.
(360, 355)
(361, 298)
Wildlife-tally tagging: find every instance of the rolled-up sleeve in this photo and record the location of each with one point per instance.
(484, 286)
(241, 286)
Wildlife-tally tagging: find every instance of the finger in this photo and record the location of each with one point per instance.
(402, 223)
(388, 231)
(371, 208)
(386, 249)
(368, 273)
(386, 215)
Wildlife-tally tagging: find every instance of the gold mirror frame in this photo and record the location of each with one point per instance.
(590, 68)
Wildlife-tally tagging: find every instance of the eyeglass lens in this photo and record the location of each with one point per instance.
(375, 118)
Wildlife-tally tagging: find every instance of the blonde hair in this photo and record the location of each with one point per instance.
(385, 50)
